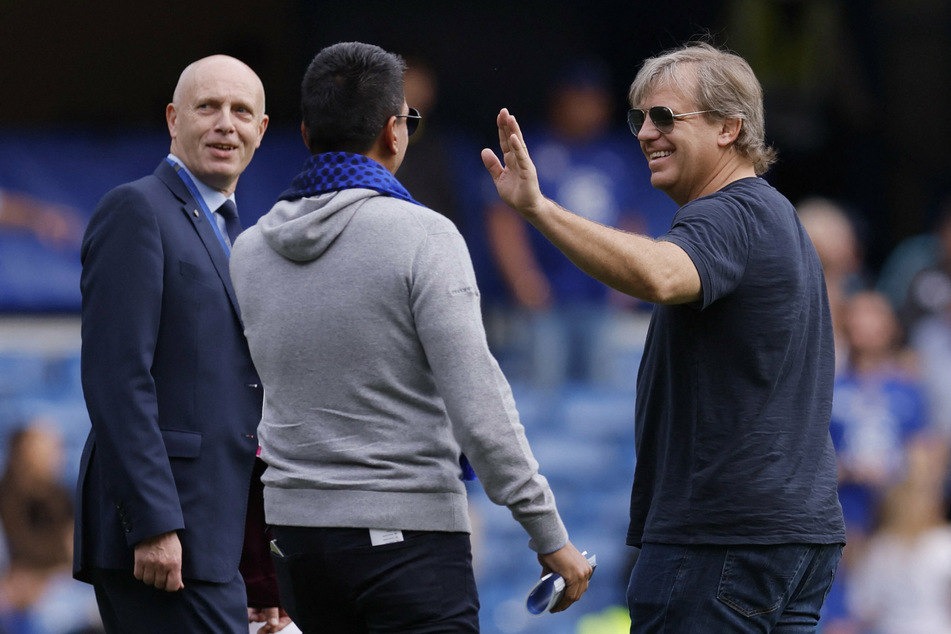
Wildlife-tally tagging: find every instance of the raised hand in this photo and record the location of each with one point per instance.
(516, 180)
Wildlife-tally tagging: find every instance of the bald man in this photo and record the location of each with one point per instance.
(172, 395)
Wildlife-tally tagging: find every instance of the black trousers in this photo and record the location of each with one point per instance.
(128, 605)
(333, 580)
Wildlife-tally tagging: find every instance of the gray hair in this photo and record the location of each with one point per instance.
(722, 82)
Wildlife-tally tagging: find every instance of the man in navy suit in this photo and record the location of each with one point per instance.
(172, 394)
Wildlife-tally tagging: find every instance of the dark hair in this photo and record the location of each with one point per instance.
(349, 92)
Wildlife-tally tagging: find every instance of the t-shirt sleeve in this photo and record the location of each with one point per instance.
(717, 240)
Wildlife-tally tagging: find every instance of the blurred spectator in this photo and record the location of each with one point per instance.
(879, 407)
(836, 241)
(427, 172)
(33, 501)
(926, 309)
(909, 256)
(878, 412)
(929, 289)
(595, 168)
(902, 583)
(443, 169)
(55, 225)
(37, 592)
(931, 340)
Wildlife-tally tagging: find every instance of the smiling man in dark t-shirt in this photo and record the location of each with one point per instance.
(734, 505)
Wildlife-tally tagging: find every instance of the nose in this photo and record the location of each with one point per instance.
(225, 121)
(648, 130)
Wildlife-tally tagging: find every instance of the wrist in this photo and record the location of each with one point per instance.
(537, 209)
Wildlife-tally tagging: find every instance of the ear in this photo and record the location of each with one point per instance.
(388, 137)
(262, 128)
(171, 116)
(729, 131)
(305, 135)
(386, 149)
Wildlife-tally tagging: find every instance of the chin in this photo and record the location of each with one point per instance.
(658, 181)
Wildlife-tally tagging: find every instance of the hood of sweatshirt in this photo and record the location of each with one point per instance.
(301, 230)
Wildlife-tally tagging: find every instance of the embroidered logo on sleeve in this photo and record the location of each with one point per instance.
(465, 290)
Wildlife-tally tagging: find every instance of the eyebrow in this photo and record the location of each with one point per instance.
(240, 103)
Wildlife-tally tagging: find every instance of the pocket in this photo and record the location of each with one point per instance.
(181, 444)
(193, 272)
(757, 579)
(289, 569)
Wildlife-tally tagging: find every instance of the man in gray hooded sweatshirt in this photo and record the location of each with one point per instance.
(362, 313)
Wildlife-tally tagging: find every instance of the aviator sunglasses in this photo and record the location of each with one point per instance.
(412, 120)
(661, 116)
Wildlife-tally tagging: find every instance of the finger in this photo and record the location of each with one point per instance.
(174, 582)
(519, 153)
(492, 163)
(160, 579)
(563, 605)
(147, 575)
(573, 592)
(511, 124)
(504, 131)
(279, 625)
(512, 129)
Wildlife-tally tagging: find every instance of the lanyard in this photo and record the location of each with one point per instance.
(209, 214)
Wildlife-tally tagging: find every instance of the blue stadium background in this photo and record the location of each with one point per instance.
(84, 88)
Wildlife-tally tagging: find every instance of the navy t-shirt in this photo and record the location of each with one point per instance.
(734, 392)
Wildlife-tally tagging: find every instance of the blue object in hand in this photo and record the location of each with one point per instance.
(546, 594)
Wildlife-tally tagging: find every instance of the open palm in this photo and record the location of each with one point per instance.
(516, 180)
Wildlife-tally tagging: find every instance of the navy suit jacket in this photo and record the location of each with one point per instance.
(172, 394)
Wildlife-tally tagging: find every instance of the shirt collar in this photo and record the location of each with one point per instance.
(211, 197)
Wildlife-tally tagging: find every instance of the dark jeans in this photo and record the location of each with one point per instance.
(702, 589)
(334, 580)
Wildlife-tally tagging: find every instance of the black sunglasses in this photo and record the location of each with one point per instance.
(412, 120)
(661, 116)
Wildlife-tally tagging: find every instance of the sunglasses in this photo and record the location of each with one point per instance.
(412, 120)
(661, 116)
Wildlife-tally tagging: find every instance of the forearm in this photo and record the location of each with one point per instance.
(651, 270)
(476, 395)
(658, 272)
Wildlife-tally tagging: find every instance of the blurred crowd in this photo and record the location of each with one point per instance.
(891, 421)
(37, 592)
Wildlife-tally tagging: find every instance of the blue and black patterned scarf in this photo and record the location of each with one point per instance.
(333, 171)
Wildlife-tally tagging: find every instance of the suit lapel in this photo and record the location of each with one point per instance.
(196, 217)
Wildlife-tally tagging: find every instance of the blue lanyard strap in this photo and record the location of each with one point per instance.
(209, 214)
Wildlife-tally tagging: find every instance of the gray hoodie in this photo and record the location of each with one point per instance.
(363, 318)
